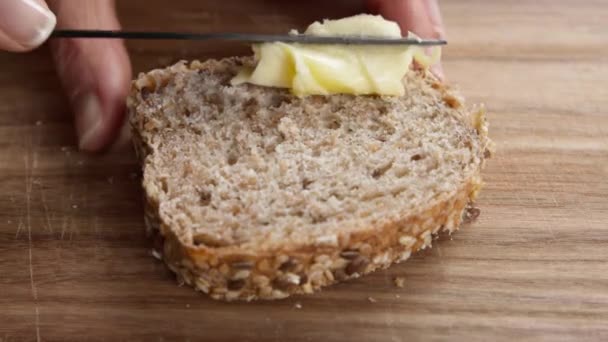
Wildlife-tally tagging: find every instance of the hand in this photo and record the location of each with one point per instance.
(421, 17)
(96, 74)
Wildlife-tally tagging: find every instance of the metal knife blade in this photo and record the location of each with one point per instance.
(244, 37)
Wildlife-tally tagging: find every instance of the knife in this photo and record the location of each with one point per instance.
(245, 37)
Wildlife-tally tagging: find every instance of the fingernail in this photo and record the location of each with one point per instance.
(437, 70)
(27, 22)
(123, 142)
(89, 122)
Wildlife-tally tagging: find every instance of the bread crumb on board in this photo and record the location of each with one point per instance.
(156, 254)
(399, 281)
(297, 306)
(372, 300)
(470, 215)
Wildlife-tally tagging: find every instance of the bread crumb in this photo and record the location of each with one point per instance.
(397, 296)
(470, 215)
(399, 281)
(39, 123)
(187, 306)
(74, 206)
(298, 306)
(156, 254)
(372, 300)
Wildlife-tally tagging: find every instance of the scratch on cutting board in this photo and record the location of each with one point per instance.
(19, 228)
(64, 226)
(28, 203)
(72, 226)
(38, 339)
(20, 224)
(46, 208)
(28, 218)
(68, 219)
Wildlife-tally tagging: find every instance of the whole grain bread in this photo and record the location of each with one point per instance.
(254, 193)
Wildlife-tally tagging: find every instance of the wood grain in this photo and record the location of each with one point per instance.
(74, 264)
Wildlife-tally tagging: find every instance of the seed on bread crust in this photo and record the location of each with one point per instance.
(236, 284)
(242, 265)
(349, 254)
(357, 265)
(289, 265)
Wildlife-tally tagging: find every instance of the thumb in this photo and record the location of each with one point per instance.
(96, 73)
(421, 17)
(24, 24)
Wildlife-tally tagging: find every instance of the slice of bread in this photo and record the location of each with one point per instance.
(254, 193)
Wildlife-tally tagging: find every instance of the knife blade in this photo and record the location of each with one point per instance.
(244, 37)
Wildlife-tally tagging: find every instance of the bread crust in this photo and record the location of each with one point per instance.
(228, 273)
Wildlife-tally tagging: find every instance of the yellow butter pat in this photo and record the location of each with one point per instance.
(337, 69)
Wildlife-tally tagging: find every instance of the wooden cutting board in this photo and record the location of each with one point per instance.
(74, 264)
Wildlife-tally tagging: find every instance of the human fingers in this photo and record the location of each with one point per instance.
(96, 73)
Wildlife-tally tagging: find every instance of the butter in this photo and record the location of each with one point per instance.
(337, 69)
